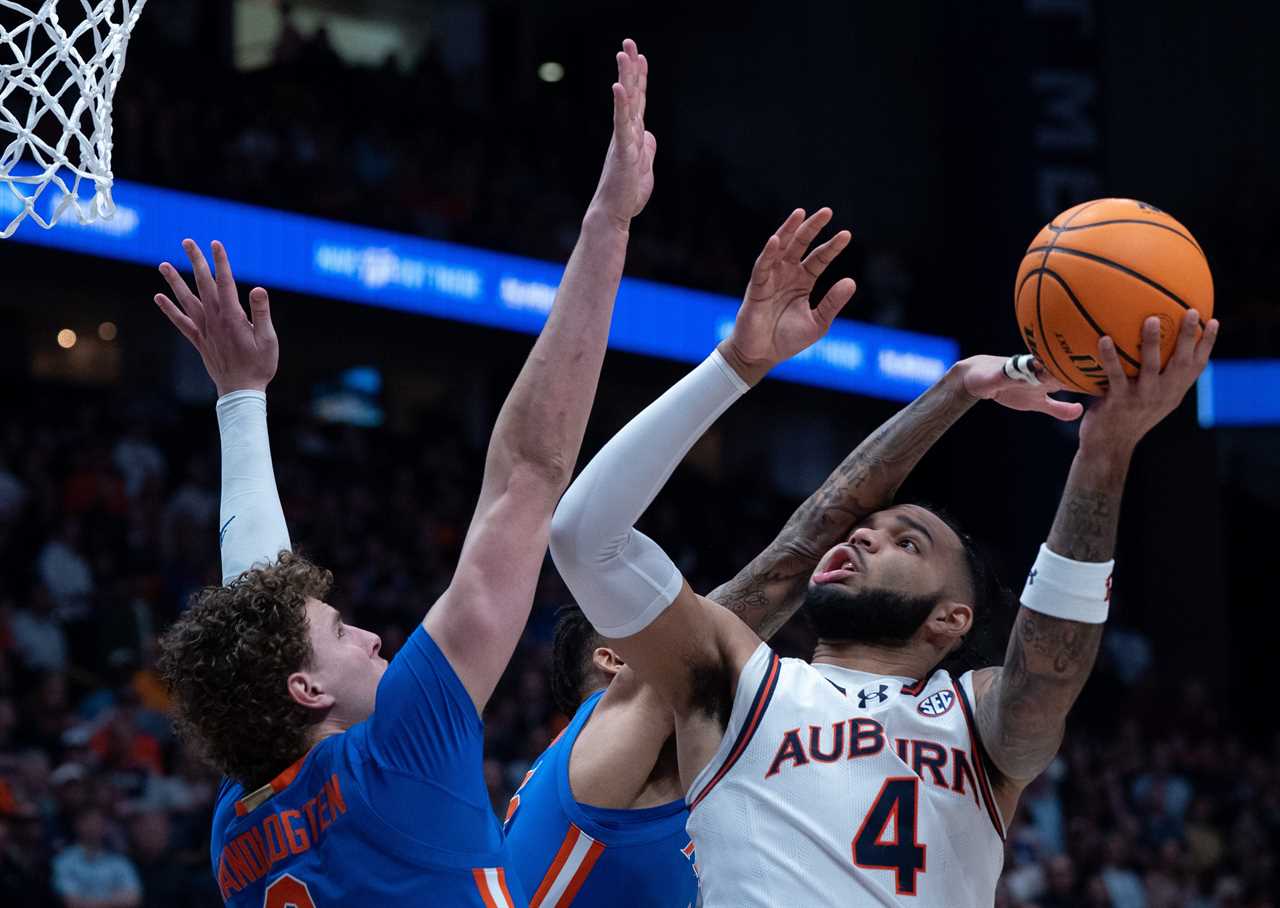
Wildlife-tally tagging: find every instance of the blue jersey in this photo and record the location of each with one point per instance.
(567, 853)
(392, 813)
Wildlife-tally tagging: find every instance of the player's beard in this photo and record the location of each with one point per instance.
(882, 617)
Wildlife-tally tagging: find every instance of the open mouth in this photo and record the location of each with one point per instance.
(842, 563)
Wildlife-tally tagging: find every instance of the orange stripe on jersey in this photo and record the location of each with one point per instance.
(252, 801)
(568, 871)
(492, 883)
(593, 855)
(763, 695)
(914, 690)
(482, 883)
(502, 885)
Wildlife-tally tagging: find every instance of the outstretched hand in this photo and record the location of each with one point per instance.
(238, 354)
(991, 378)
(1133, 406)
(627, 179)
(776, 321)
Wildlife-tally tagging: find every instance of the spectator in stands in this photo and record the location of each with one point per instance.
(39, 640)
(86, 875)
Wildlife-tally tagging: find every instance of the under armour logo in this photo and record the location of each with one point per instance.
(1031, 578)
(875, 696)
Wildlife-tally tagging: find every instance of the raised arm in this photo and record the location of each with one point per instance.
(535, 442)
(1022, 706)
(626, 585)
(241, 358)
(768, 591)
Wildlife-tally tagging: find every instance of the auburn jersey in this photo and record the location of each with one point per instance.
(393, 812)
(567, 853)
(839, 787)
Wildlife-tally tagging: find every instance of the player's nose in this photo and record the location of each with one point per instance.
(375, 644)
(865, 538)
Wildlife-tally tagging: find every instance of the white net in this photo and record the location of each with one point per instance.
(57, 78)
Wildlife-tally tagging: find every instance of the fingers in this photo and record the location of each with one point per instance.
(1111, 365)
(763, 268)
(805, 235)
(1045, 377)
(826, 311)
(1205, 346)
(621, 116)
(1149, 350)
(1061, 409)
(788, 229)
(643, 98)
(1186, 345)
(224, 279)
(181, 292)
(204, 279)
(184, 325)
(260, 306)
(636, 80)
(817, 261)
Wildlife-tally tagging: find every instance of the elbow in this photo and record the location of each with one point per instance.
(565, 525)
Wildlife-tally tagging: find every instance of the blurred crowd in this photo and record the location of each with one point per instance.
(108, 522)
(400, 149)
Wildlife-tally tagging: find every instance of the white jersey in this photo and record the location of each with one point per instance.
(839, 787)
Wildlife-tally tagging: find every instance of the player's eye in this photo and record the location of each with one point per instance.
(909, 544)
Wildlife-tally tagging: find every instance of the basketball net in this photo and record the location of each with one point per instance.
(55, 106)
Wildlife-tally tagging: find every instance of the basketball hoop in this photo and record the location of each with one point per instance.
(56, 85)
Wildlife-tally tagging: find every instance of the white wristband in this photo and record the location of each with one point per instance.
(1072, 590)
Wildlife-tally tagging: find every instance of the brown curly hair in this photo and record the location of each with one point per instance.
(226, 662)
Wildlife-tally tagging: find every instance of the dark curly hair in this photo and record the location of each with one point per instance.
(993, 603)
(226, 662)
(575, 641)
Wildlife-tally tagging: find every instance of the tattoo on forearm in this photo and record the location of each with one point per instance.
(768, 590)
(1085, 528)
(1049, 659)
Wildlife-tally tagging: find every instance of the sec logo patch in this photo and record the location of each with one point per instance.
(937, 704)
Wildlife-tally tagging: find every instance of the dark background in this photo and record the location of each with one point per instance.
(943, 134)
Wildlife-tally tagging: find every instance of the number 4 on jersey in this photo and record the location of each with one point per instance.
(896, 803)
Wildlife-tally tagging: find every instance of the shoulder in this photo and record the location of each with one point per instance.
(421, 669)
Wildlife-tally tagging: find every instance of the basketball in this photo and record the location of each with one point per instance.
(1102, 268)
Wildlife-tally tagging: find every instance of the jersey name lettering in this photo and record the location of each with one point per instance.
(858, 737)
(250, 855)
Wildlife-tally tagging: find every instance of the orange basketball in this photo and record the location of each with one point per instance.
(1102, 268)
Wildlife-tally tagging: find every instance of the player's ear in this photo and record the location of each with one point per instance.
(306, 690)
(951, 619)
(607, 661)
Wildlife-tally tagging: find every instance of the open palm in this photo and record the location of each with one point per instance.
(238, 354)
(776, 320)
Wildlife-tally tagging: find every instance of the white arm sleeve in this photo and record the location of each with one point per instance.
(251, 523)
(621, 578)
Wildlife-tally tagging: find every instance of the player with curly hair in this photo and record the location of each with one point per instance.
(327, 800)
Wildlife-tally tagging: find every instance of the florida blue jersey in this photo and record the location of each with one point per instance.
(392, 813)
(567, 853)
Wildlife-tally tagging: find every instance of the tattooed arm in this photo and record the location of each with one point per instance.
(767, 591)
(1022, 706)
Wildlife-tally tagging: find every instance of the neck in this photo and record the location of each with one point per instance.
(326, 729)
(876, 659)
